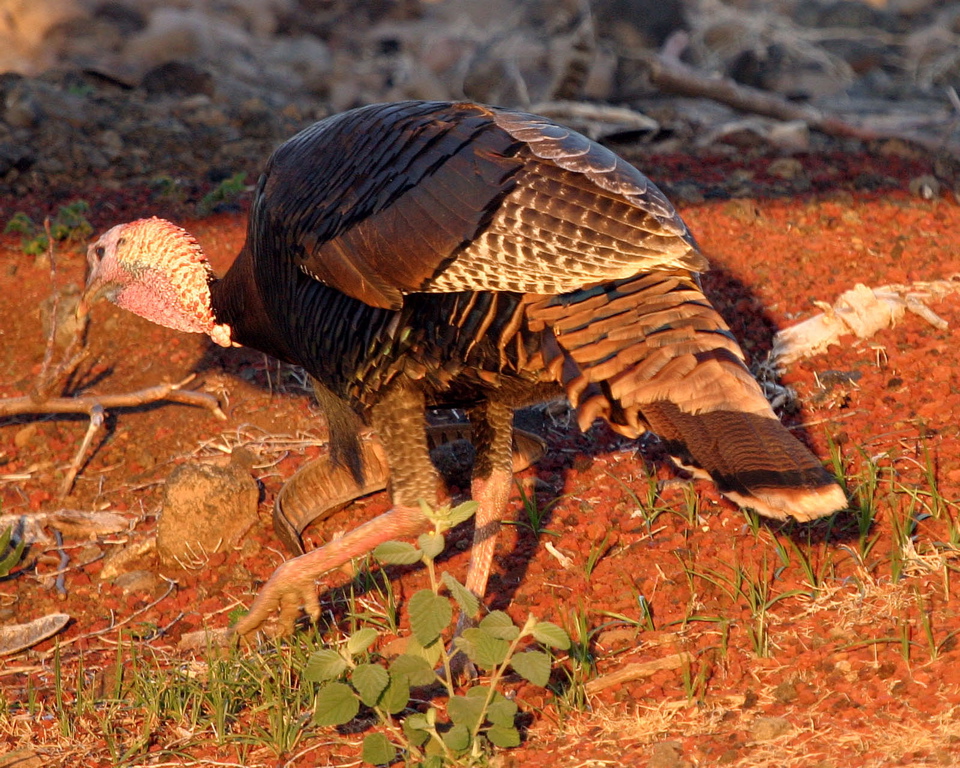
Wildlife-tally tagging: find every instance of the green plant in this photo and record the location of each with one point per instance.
(535, 514)
(597, 553)
(353, 675)
(10, 554)
(753, 521)
(69, 225)
(571, 692)
(226, 191)
(695, 686)
(813, 571)
(650, 508)
(756, 590)
(168, 188)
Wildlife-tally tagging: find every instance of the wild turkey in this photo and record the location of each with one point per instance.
(423, 254)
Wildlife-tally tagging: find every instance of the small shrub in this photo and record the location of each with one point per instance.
(226, 191)
(352, 676)
(70, 225)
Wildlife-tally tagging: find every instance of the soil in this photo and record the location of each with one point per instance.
(853, 659)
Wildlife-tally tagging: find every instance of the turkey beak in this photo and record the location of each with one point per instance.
(95, 286)
(83, 308)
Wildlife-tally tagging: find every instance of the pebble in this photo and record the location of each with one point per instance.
(139, 581)
(667, 754)
(769, 728)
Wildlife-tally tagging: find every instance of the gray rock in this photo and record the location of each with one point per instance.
(139, 581)
(176, 77)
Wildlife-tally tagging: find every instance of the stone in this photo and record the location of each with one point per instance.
(139, 582)
(206, 509)
(175, 77)
(667, 754)
(769, 728)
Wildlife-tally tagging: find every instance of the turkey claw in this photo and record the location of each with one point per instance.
(279, 603)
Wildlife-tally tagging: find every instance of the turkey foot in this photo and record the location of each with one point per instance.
(292, 587)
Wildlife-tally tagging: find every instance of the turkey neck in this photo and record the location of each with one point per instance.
(238, 303)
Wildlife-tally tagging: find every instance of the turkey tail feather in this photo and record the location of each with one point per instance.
(753, 459)
(651, 352)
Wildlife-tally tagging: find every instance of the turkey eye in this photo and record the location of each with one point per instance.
(99, 251)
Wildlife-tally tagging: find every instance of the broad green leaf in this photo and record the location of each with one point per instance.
(378, 750)
(336, 704)
(325, 664)
(415, 729)
(431, 543)
(465, 710)
(397, 553)
(467, 601)
(499, 624)
(503, 736)
(417, 721)
(548, 633)
(533, 666)
(430, 653)
(460, 513)
(12, 558)
(502, 712)
(481, 692)
(429, 615)
(457, 738)
(414, 669)
(482, 648)
(369, 680)
(435, 760)
(360, 640)
(395, 699)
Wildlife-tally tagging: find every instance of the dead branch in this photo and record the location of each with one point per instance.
(862, 312)
(671, 75)
(56, 372)
(74, 353)
(15, 406)
(96, 423)
(637, 671)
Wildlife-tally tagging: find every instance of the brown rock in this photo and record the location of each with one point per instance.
(768, 728)
(206, 509)
(667, 754)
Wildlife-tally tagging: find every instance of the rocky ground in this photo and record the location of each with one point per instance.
(179, 96)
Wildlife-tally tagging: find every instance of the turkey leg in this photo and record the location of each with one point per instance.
(398, 419)
(490, 487)
(322, 487)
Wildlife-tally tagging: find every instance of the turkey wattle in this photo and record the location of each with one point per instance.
(425, 254)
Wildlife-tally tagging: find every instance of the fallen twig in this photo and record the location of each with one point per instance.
(671, 75)
(96, 422)
(637, 671)
(60, 584)
(15, 406)
(171, 586)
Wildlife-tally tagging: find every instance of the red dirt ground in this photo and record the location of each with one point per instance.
(861, 667)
